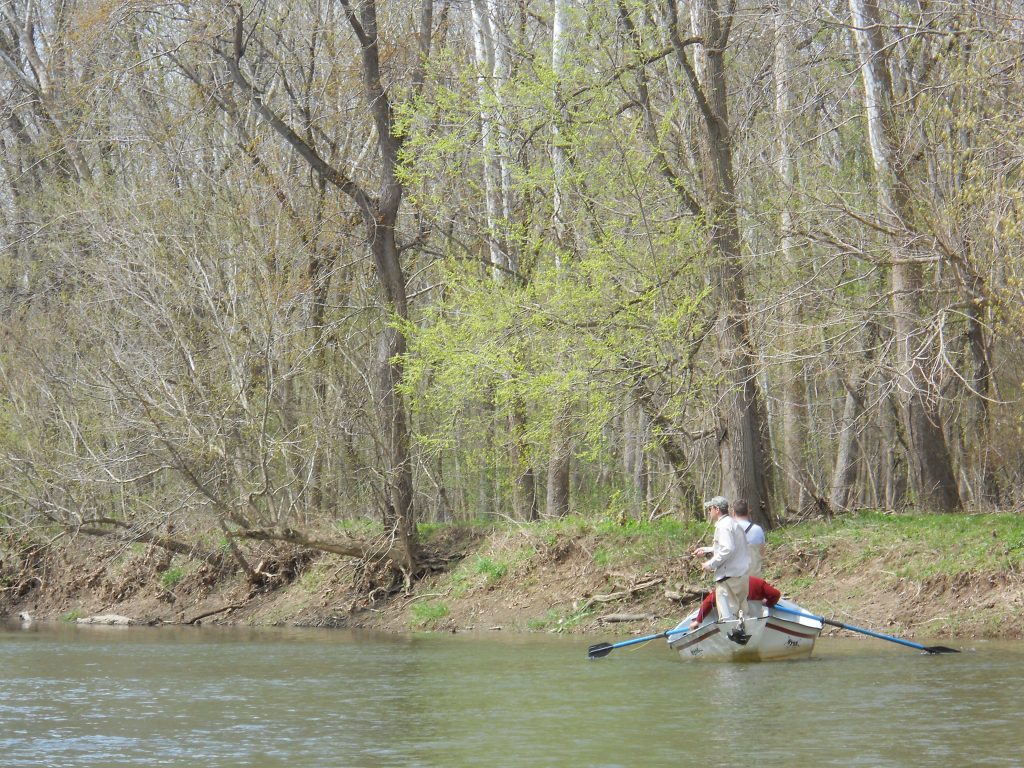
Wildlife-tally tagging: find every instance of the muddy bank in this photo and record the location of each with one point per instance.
(514, 580)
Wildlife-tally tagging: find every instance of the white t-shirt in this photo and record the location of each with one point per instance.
(753, 531)
(754, 534)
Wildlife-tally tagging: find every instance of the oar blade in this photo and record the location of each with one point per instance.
(599, 650)
(941, 649)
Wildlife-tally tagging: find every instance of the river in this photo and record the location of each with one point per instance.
(212, 697)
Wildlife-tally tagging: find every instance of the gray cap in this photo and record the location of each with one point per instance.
(719, 501)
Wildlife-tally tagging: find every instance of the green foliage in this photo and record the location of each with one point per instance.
(170, 578)
(624, 306)
(427, 531)
(494, 571)
(801, 582)
(967, 543)
(427, 615)
(312, 579)
(73, 615)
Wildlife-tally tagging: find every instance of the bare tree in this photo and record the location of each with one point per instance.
(798, 484)
(491, 20)
(379, 212)
(932, 474)
(743, 429)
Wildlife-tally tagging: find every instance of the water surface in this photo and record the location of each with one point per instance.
(96, 696)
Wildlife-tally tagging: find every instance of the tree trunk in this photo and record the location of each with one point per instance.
(931, 471)
(559, 466)
(560, 459)
(488, 90)
(797, 482)
(844, 473)
(742, 429)
(399, 513)
(978, 413)
(379, 214)
(524, 482)
(894, 453)
(490, 19)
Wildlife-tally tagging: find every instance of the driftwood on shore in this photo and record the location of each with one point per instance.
(681, 593)
(224, 609)
(106, 619)
(627, 592)
(687, 593)
(613, 618)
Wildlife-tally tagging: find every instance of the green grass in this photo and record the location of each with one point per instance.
(426, 531)
(493, 571)
(427, 615)
(627, 541)
(623, 529)
(481, 571)
(170, 578)
(313, 578)
(801, 582)
(915, 546)
(920, 545)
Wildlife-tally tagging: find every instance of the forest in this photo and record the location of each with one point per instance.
(315, 273)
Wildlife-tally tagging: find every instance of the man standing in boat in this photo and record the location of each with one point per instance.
(729, 561)
(753, 532)
(759, 590)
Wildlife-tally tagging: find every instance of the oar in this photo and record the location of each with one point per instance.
(603, 649)
(879, 635)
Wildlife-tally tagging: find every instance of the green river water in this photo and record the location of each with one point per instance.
(211, 697)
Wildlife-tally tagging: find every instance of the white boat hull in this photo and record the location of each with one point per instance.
(772, 636)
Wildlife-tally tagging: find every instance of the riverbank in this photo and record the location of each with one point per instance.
(912, 575)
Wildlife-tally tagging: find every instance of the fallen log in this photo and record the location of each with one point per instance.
(613, 618)
(198, 619)
(686, 594)
(628, 592)
(107, 619)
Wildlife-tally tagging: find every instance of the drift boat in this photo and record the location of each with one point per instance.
(784, 631)
(769, 634)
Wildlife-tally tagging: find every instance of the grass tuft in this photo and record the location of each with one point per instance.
(427, 615)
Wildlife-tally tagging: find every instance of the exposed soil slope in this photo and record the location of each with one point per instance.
(515, 580)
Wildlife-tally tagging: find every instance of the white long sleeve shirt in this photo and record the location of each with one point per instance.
(730, 553)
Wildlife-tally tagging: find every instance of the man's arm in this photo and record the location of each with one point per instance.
(703, 611)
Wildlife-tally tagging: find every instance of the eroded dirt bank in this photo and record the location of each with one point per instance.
(513, 581)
